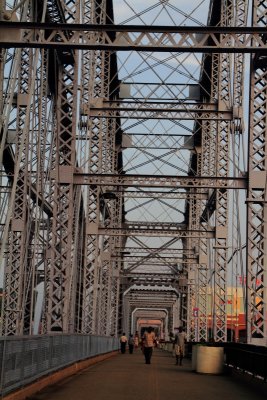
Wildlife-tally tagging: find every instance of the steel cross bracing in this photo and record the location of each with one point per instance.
(155, 110)
(256, 206)
(94, 173)
(224, 128)
(219, 90)
(100, 306)
(218, 39)
(25, 249)
(157, 181)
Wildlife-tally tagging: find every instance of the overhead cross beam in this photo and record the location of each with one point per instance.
(166, 181)
(133, 37)
(156, 110)
(134, 259)
(163, 232)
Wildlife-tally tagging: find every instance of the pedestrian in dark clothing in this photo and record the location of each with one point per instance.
(123, 341)
(131, 344)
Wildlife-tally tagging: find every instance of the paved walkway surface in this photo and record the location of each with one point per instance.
(127, 377)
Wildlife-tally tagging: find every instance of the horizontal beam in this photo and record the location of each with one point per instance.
(159, 135)
(152, 282)
(154, 304)
(133, 37)
(151, 296)
(101, 108)
(164, 302)
(169, 292)
(163, 250)
(160, 195)
(156, 259)
(167, 181)
(157, 283)
(155, 276)
(131, 231)
(164, 263)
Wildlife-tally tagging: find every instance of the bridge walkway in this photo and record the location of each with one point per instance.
(127, 377)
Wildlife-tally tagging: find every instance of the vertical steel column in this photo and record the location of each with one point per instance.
(97, 79)
(17, 269)
(206, 140)
(208, 168)
(77, 265)
(60, 288)
(175, 312)
(116, 268)
(193, 244)
(92, 87)
(221, 216)
(191, 322)
(257, 198)
(39, 186)
(236, 257)
(211, 171)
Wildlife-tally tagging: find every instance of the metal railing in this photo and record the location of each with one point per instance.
(27, 358)
(247, 358)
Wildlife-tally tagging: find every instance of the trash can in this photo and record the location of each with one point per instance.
(209, 359)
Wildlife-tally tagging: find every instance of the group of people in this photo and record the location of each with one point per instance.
(132, 342)
(148, 342)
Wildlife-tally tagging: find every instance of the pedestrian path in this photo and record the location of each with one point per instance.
(127, 377)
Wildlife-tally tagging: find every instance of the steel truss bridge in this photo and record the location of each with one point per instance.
(133, 166)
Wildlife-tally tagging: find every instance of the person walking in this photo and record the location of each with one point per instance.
(131, 344)
(179, 345)
(148, 344)
(123, 341)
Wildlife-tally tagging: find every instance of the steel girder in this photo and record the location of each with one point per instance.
(60, 279)
(101, 276)
(155, 110)
(18, 271)
(132, 259)
(165, 181)
(222, 169)
(215, 140)
(196, 306)
(256, 196)
(24, 253)
(219, 39)
(222, 84)
(147, 230)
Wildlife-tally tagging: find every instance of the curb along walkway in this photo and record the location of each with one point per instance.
(127, 377)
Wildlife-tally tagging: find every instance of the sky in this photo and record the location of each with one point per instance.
(161, 12)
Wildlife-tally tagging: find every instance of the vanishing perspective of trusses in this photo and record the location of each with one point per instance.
(133, 165)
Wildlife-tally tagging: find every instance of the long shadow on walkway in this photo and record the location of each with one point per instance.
(127, 377)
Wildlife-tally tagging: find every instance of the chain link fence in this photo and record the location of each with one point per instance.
(25, 359)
